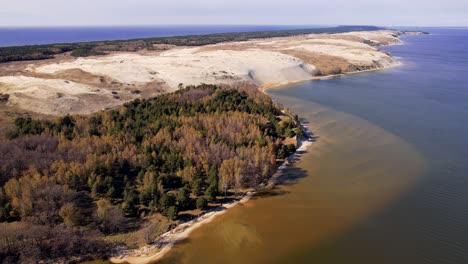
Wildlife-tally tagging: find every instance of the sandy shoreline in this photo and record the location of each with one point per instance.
(155, 252)
(87, 85)
(264, 88)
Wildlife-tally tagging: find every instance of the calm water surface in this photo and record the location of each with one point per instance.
(48, 35)
(385, 182)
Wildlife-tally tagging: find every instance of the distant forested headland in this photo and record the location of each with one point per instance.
(70, 186)
(40, 52)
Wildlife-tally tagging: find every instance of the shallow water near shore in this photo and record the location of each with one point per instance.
(385, 182)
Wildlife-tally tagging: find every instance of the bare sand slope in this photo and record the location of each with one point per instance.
(188, 66)
(56, 96)
(60, 87)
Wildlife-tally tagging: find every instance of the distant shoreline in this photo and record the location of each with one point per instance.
(152, 253)
(316, 78)
(30, 35)
(103, 47)
(249, 30)
(274, 62)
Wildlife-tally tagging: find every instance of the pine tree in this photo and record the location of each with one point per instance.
(183, 198)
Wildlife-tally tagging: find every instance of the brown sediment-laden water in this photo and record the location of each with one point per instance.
(385, 182)
(342, 180)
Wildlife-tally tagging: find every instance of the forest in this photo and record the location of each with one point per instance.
(68, 183)
(84, 49)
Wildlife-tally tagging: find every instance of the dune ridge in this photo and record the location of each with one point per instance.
(86, 85)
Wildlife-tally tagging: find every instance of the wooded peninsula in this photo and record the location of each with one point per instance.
(76, 187)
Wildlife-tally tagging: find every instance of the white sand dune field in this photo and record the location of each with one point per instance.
(86, 85)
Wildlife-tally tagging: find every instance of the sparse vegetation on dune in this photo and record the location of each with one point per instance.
(84, 49)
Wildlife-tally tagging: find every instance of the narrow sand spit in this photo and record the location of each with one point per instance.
(166, 241)
(264, 62)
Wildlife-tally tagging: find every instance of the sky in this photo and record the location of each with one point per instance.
(235, 12)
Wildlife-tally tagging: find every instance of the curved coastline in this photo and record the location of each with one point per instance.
(157, 250)
(92, 82)
(264, 88)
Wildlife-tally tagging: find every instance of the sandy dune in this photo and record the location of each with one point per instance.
(62, 87)
(189, 66)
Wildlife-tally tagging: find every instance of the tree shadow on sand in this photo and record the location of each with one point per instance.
(290, 176)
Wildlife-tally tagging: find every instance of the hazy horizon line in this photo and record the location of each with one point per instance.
(218, 25)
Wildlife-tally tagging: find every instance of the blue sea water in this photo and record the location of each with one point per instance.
(48, 35)
(424, 102)
(386, 181)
